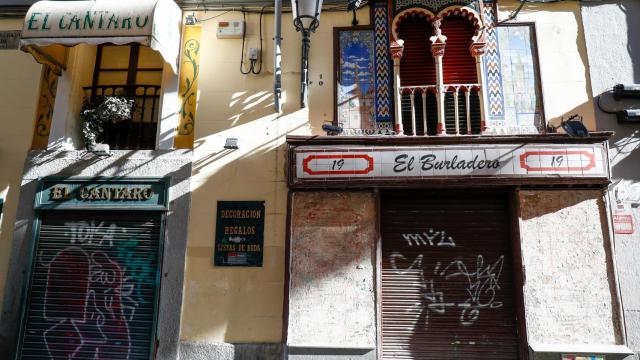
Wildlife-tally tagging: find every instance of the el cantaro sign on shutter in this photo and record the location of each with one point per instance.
(142, 194)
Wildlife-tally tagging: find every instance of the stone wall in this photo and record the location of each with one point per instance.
(332, 262)
(569, 291)
(612, 33)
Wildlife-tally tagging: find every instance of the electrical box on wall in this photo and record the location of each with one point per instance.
(230, 29)
(253, 53)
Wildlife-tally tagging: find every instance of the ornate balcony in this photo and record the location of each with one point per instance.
(420, 114)
(139, 132)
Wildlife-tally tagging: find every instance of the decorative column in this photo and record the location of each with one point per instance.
(477, 50)
(438, 43)
(396, 48)
(188, 86)
(44, 114)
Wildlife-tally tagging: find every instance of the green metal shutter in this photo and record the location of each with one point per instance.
(94, 285)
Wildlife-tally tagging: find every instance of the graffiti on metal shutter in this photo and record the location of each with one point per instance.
(481, 278)
(93, 289)
(447, 278)
(91, 317)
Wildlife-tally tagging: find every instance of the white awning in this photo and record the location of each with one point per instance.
(51, 26)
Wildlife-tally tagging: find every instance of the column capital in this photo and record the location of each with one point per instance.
(437, 49)
(438, 40)
(478, 46)
(396, 48)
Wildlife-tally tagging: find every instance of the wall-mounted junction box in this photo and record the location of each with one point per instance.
(253, 53)
(230, 29)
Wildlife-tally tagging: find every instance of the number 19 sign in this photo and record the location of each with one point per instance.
(519, 160)
(356, 164)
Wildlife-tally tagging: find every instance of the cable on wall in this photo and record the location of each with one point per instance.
(255, 65)
(244, 34)
(252, 62)
(267, 9)
(513, 14)
(260, 61)
(216, 16)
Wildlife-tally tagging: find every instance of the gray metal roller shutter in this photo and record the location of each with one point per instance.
(93, 290)
(447, 282)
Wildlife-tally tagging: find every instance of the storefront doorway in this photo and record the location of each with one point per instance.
(447, 276)
(94, 281)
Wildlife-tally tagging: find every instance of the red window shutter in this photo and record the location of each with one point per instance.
(417, 66)
(458, 65)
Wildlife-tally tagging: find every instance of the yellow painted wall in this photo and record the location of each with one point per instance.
(20, 78)
(245, 304)
(566, 89)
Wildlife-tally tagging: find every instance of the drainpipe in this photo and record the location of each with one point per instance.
(277, 56)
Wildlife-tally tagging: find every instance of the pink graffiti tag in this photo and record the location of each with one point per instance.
(83, 294)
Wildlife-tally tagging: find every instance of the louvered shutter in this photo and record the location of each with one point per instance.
(459, 66)
(447, 282)
(94, 285)
(417, 66)
(432, 114)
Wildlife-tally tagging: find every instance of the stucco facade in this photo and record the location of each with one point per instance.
(565, 280)
(20, 103)
(613, 52)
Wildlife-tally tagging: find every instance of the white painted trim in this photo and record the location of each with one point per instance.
(64, 133)
(581, 348)
(57, 132)
(169, 103)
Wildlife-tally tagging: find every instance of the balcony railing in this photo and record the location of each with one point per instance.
(461, 110)
(139, 132)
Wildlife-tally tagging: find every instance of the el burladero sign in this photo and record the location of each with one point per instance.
(318, 163)
(405, 162)
(80, 193)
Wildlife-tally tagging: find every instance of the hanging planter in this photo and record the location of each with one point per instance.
(99, 112)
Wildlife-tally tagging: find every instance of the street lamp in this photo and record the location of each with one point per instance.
(306, 18)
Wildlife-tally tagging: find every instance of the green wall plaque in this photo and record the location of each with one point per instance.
(239, 233)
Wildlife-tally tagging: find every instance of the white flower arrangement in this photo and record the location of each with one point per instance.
(102, 110)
